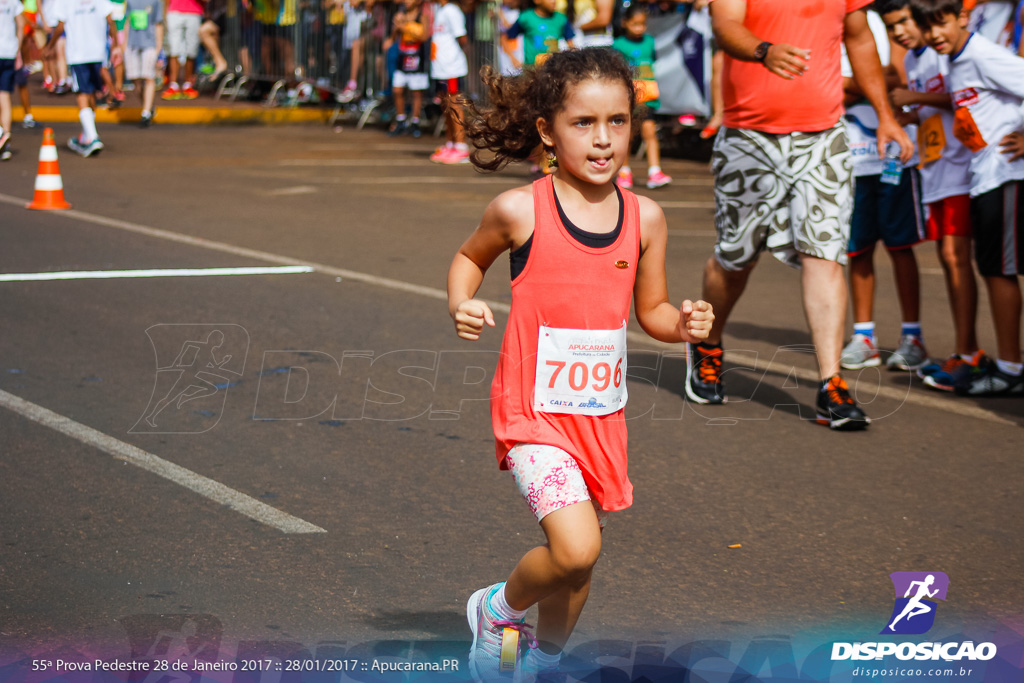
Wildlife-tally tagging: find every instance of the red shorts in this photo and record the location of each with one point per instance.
(949, 216)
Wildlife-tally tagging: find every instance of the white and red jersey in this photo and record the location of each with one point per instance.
(987, 84)
(950, 174)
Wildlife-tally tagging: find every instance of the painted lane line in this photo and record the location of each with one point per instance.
(949, 405)
(290, 191)
(254, 254)
(165, 272)
(208, 488)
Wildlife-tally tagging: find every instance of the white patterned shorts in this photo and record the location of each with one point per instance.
(549, 479)
(790, 194)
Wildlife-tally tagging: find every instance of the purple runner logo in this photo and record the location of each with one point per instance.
(916, 592)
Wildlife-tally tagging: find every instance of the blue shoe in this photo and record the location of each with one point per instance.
(991, 381)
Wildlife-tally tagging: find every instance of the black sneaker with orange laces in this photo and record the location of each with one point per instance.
(704, 374)
(836, 407)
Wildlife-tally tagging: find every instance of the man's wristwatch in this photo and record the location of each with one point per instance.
(761, 51)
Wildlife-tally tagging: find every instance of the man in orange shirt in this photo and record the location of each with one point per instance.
(783, 172)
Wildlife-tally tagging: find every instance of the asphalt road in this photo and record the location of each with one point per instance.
(349, 405)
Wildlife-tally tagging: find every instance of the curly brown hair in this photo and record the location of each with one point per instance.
(507, 127)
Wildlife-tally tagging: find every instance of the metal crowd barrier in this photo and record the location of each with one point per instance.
(290, 52)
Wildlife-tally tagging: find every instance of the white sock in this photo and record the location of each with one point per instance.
(1009, 368)
(625, 169)
(652, 170)
(146, 113)
(88, 118)
(501, 607)
(536, 660)
(462, 146)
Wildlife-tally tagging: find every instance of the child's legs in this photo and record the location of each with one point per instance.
(557, 574)
(949, 224)
(649, 133)
(997, 218)
(908, 283)
(62, 60)
(862, 285)
(417, 103)
(901, 217)
(356, 60)
(5, 110)
(864, 234)
(1004, 296)
(453, 113)
(119, 68)
(26, 102)
(955, 255)
(148, 92)
(399, 93)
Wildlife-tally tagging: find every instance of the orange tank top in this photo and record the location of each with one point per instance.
(561, 375)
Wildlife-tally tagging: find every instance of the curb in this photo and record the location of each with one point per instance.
(183, 115)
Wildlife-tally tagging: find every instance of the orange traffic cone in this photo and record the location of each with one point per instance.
(49, 186)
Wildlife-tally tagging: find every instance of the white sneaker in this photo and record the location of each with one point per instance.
(861, 352)
(488, 629)
(910, 355)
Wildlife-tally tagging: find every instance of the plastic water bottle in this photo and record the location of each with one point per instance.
(892, 168)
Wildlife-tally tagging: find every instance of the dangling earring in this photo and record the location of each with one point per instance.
(552, 159)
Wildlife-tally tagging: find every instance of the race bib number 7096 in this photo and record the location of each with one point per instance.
(582, 372)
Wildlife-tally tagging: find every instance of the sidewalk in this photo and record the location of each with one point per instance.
(205, 110)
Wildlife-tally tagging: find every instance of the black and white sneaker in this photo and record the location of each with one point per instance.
(991, 381)
(704, 374)
(837, 409)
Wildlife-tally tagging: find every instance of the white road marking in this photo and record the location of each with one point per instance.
(951, 405)
(208, 488)
(289, 191)
(359, 163)
(164, 272)
(254, 254)
(429, 180)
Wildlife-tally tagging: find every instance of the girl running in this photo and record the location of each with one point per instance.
(580, 247)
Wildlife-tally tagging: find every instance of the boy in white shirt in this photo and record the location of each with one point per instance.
(88, 24)
(987, 83)
(886, 208)
(12, 28)
(945, 185)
